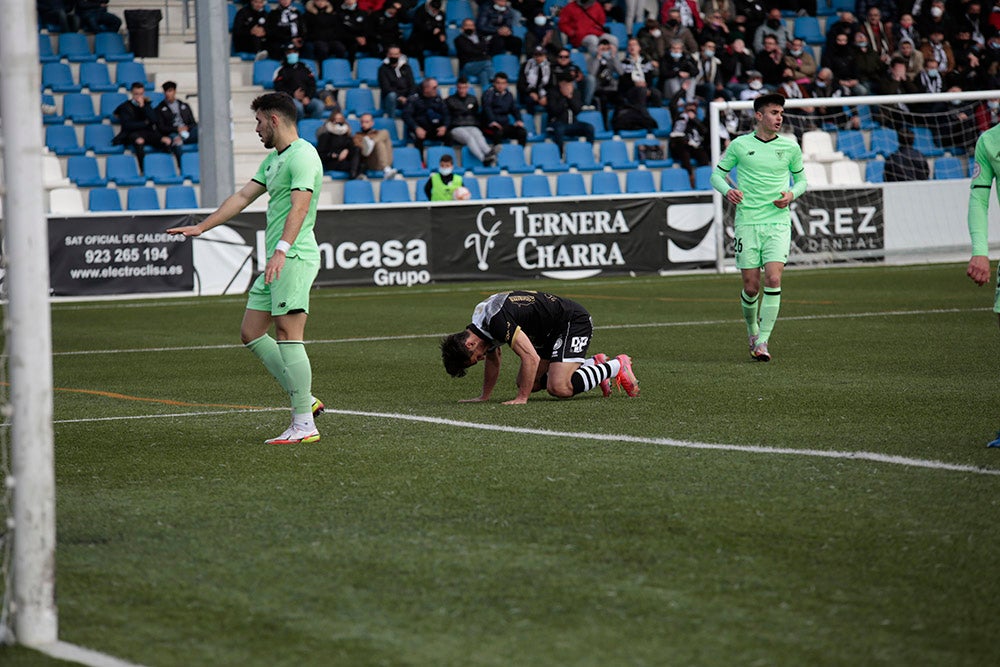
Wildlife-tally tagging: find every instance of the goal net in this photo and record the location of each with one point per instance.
(869, 161)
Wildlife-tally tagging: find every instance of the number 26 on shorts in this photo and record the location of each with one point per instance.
(737, 245)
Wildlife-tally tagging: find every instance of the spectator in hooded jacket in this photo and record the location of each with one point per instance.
(495, 23)
(396, 81)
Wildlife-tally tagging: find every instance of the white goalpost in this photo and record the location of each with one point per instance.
(850, 148)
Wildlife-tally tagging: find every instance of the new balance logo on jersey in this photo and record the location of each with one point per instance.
(578, 344)
(751, 152)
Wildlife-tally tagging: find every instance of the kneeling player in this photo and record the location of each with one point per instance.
(549, 333)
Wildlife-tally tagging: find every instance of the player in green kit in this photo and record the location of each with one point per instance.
(986, 169)
(763, 225)
(291, 175)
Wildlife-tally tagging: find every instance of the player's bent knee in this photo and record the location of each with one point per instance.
(560, 391)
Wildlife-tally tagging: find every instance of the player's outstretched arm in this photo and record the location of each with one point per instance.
(233, 205)
(529, 368)
(490, 377)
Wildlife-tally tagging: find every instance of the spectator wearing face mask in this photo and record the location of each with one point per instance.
(297, 80)
(938, 48)
(687, 11)
(912, 57)
(990, 66)
(868, 64)
(936, 18)
(286, 24)
(677, 70)
(495, 23)
(673, 29)
(606, 69)
(839, 58)
(336, 146)
(442, 183)
(775, 27)
(708, 83)
(801, 62)
(541, 31)
(755, 86)
(653, 42)
(396, 81)
(534, 81)
(352, 29)
(430, 31)
(474, 61)
(383, 27)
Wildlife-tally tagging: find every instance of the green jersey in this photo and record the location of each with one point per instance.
(298, 167)
(763, 168)
(985, 170)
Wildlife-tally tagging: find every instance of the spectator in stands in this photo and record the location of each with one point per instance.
(442, 183)
(739, 28)
(775, 27)
(840, 59)
(250, 29)
(967, 72)
(987, 115)
(296, 79)
(375, 147)
(426, 116)
(564, 108)
(938, 48)
(396, 82)
(887, 9)
(286, 24)
(675, 69)
(352, 29)
(321, 32)
(688, 137)
(565, 68)
(688, 13)
(715, 29)
(911, 57)
(430, 32)
(956, 130)
(464, 130)
(501, 119)
(495, 23)
(384, 27)
(95, 17)
(336, 146)
(930, 81)
(614, 10)
(801, 62)
(635, 65)
(906, 28)
(972, 20)
(632, 112)
(674, 28)
(737, 60)
(708, 81)
(907, 163)
(138, 124)
(541, 30)
(582, 24)
(534, 81)
(175, 120)
(936, 18)
(653, 42)
(605, 68)
(898, 81)
(990, 66)
(755, 86)
(770, 62)
(847, 25)
(725, 8)
(870, 68)
(473, 51)
(370, 6)
(636, 11)
(57, 14)
(878, 35)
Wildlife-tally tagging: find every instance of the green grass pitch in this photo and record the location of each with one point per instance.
(575, 532)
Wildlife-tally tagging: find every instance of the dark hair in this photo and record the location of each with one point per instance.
(454, 354)
(137, 84)
(500, 75)
(765, 100)
(461, 79)
(446, 158)
(169, 85)
(279, 103)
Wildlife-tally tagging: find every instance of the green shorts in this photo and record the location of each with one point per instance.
(289, 293)
(756, 245)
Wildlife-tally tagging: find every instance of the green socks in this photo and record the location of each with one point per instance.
(288, 362)
(266, 349)
(750, 312)
(770, 303)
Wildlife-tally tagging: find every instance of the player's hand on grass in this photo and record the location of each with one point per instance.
(516, 401)
(979, 269)
(785, 200)
(477, 399)
(189, 230)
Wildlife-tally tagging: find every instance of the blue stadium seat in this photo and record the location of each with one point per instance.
(885, 141)
(96, 78)
(407, 160)
(664, 121)
(666, 162)
(570, 185)
(674, 180)
(123, 171)
(451, 32)
(852, 144)
(547, 158)
(338, 72)
(614, 154)
(389, 125)
(536, 185)
(618, 30)
(74, 47)
(946, 168)
(111, 47)
(368, 71)
(509, 64)
(161, 169)
(83, 170)
(308, 128)
(191, 166)
(473, 186)
(512, 159)
(395, 190)
(702, 177)
(580, 155)
(45, 52)
(597, 122)
(180, 196)
(923, 141)
(62, 140)
(359, 101)
(358, 192)
(142, 198)
(807, 29)
(108, 103)
(79, 108)
(534, 136)
(263, 73)
(471, 163)
(875, 171)
(457, 11)
(639, 181)
(51, 118)
(97, 138)
(415, 64)
(128, 72)
(439, 67)
(58, 78)
(579, 58)
(500, 187)
(434, 154)
(605, 183)
(105, 199)
(865, 118)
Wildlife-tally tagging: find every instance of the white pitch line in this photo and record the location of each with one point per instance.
(605, 327)
(82, 655)
(604, 437)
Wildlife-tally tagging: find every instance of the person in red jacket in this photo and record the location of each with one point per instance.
(582, 23)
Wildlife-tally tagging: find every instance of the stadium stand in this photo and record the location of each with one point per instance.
(104, 199)
(580, 156)
(180, 197)
(83, 170)
(161, 169)
(358, 192)
(123, 171)
(65, 201)
(97, 139)
(111, 47)
(500, 187)
(547, 158)
(536, 185)
(79, 108)
(948, 168)
(639, 181)
(570, 185)
(511, 159)
(394, 191)
(605, 183)
(62, 140)
(143, 198)
(96, 78)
